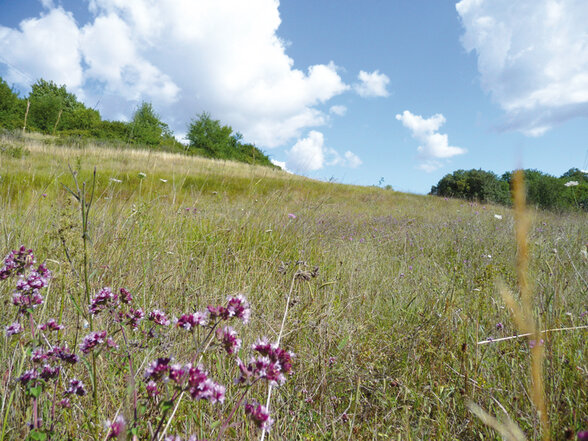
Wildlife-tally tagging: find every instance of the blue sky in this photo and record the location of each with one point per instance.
(348, 90)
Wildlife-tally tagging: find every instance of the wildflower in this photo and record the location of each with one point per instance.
(533, 343)
(157, 368)
(159, 317)
(142, 175)
(65, 403)
(583, 436)
(28, 376)
(118, 181)
(27, 301)
(134, 316)
(189, 321)
(64, 354)
(14, 328)
(38, 355)
(16, 262)
(201, 387)
(152, 390)
(49, 372)
(163, 180)
(259, 414)
(291, 215)
(92, 340)
(116, 427)
(176, 373)
(498, 216)
(76, 387)
(238, 307)
(125, 296)
(103, 299)
(51, 325)
(229, 340)
(499, 326)
(275, 354)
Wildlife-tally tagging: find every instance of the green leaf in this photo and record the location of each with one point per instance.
(37, 435)
(167, 405)
(35, 391)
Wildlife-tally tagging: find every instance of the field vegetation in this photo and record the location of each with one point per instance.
(390, 302)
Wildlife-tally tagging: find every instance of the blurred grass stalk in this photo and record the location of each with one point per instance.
(525, 321)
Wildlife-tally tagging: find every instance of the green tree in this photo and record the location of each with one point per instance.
(51, 104)
(11, 116)
(147, 128)
(209, 137)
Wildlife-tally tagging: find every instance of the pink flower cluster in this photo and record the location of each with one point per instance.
(193, 379)
(27, 293)
(190, 321)
(94, 339)
(272, 364)
(17, 262)
(259, 414)
(237, 307)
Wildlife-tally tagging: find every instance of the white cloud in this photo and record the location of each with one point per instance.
(532, 58)
(307, 154)
(184, 56)
(281, 164)
(434, 145)
(352, 160)
(372, 84)
(45, 47)
(311, 154)
(338, 110)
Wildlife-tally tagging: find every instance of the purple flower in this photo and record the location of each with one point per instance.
(259, 414)
(176, 373)
(92, 340)
(51, 325)
(134, 316)
(27, 300)
(17, 262)
(27, 377)
(152, 390)
(201, 387)
(157, 368)
(14, 328)
(499, 326)
(228, 339)
(159, 317)
(533, 343)
(239, 307)
(275, 354)
(291, 215)
(64, 354)
(125, 296)
(65, 403)
(103, 300)
(583, 436)
(76, 387)
(49, 372)
(116, 427)
(189, 321)
(38, 355)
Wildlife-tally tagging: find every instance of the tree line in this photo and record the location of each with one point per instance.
(52, 110)
(567, 192)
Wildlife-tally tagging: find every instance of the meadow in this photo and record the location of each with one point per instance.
(390, 302)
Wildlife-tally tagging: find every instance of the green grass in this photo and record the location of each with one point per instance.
(385, 336)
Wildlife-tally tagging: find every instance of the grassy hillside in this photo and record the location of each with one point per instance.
(389, 295)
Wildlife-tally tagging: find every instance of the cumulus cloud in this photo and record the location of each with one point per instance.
(338, 110)
(281, 164)
(434, 145)
(532, 58)
(184, 56)
(372, 84)
(311, 154)
(45, 47)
